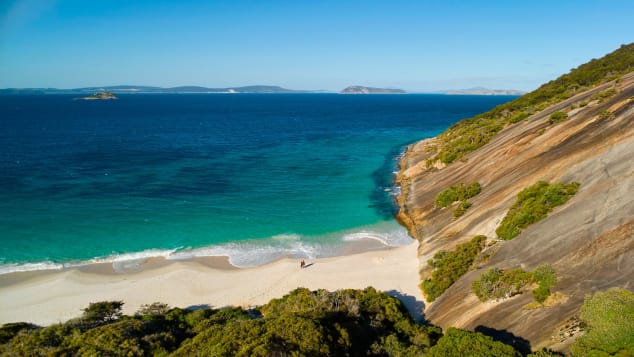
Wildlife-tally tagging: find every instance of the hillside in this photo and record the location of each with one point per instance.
(370, 90)
(122, 89)
(577, 128)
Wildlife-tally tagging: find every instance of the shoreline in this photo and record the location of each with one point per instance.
(47, 297)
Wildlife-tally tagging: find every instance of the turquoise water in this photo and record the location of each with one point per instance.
(252, 177)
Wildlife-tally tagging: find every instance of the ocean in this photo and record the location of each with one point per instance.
(254, 177)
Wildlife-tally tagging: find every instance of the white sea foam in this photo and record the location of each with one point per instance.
(241, 254)
(15, 268)
(390, 239)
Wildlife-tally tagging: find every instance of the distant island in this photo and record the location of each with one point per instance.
(129, 89)
(101, 96)
(370, 90)
(483, 91)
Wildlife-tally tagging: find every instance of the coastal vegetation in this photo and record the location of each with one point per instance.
(532, 205)
(304, 322)
(557, 117)
(497, 283)
(608, 318)
(459, 192)
(471, 134)
(450, 266)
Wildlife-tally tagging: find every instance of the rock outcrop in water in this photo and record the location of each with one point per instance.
(101, 96)
(589, 240)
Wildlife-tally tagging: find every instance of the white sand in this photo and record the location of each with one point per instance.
(56, 297)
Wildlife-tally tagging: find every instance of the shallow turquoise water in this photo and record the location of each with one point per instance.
(253, 177)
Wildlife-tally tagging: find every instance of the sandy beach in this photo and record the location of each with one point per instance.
(49, 297)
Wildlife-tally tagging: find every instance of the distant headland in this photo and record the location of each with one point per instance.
(254, 89)
(483, 91)
(370, 90)
(132, 89)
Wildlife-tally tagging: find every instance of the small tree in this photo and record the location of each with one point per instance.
(103, 312)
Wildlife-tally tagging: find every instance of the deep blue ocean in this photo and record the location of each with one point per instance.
(251, 176)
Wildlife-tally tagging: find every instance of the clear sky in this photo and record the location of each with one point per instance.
(415, 45)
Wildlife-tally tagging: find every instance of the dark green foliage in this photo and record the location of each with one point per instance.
(499, 284)
(460, 343)
(344, 322)
(544, 352)
(471, 134)
(457, 192)
(8, 331)
(450, 266)
(102, 312)
(609, 320)
(545, 276)
(557, 117)
(532, 205)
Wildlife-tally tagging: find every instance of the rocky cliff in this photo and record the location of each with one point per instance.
(589, 240)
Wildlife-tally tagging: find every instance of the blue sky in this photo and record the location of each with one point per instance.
(414, 45)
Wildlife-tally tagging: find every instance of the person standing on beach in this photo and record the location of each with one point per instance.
(302, 264)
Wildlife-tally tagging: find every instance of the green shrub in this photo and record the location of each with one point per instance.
(457, 192)
(609, 321)
(460, 343)
(461, 208)
(532, 205)
(497, 283)
(450, 266)
(546, 277)
(557, 117)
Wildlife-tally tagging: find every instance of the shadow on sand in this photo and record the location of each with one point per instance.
(415, 307)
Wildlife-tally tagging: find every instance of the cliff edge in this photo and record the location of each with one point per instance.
(589, 240)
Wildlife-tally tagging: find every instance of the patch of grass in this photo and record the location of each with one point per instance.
(533, 204)
(606, 114)
(450, 266)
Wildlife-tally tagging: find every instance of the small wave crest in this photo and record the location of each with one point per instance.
(16, 268)
(255, 253)
(390, 239)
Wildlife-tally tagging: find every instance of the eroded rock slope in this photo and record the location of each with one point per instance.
(589, 240)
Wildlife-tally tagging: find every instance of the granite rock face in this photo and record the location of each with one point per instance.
(589, 240)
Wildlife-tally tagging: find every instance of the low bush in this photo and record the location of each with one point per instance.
(546, 277)
(499, 284)
(457, 192)
(557, 117)
(532, 205)
(450, 266)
